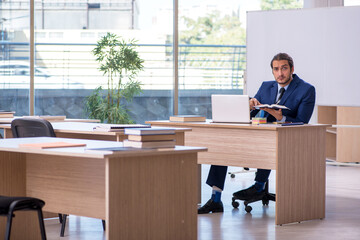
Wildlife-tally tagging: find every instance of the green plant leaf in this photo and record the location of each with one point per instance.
(120, 62)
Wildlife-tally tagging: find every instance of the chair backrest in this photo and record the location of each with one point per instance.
(28, 127)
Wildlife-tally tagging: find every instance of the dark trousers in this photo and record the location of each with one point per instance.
(217, 175)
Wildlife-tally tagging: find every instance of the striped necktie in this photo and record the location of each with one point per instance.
(281, 91)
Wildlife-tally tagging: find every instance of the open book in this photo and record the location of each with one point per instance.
(273, 106)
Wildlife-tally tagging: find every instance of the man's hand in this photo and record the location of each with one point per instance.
(253, 102)
(276, 113)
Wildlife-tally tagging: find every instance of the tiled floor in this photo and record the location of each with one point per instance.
(342, 221)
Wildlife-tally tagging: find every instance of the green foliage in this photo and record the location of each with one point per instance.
(280, 4)
(120, 62)
(213, 29)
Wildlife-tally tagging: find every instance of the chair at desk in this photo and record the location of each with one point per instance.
(29, 127)
(245, 169)
(8, 205)
(265, 199)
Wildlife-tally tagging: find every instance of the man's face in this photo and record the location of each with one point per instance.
(282, 72)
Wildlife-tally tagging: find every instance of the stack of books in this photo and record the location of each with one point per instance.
(150, 137)
(187, 118)
(258, 120)
(6, 114)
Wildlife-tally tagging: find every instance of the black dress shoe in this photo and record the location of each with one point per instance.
(250, 193)
(211, 206)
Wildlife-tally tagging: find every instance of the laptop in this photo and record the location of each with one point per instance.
(230, 108)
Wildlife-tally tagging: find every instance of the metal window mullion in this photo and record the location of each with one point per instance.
(175, 58)
(32, 58)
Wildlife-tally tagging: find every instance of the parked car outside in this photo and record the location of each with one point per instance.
(16, 74)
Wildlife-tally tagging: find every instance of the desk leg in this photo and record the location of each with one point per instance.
(300, 176)
(199, 183)
(152, 197)
(8, 133)
(180, 140)
(13, 183)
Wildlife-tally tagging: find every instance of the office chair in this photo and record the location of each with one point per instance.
(244, 170)
(34, 127)
(28, 127)
(8, 205)
(265, 199)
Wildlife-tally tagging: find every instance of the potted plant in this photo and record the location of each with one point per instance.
(120, 62)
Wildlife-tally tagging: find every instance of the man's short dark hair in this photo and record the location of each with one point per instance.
(282, 56)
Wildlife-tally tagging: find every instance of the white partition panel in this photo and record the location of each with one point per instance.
(324, 43)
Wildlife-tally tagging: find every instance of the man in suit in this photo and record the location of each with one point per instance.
(288, 90)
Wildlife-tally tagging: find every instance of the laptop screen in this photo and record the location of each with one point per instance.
(230, 108)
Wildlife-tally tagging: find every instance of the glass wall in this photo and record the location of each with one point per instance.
(212, 58)
(66, 32)
(14, 56)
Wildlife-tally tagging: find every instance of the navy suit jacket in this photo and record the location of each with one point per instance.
(299, 97)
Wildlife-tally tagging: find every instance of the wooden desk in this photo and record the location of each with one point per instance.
(297, 153)
(84, 130)
(8, 120)
(142, 194)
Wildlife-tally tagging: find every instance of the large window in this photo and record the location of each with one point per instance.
(212, 51)
(66, 72)
(14, 57)
(64, 49)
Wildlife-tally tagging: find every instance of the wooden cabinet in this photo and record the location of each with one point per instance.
(343, 138)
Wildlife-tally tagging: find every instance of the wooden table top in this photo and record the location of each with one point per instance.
(209, 123)
(9, 120)
(12, 145)
(83, 127)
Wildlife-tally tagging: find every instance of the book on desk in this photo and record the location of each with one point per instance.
(118, 127)
(149, 131)
(109, 149)
(150, 137)
(187, 118)
(45, 145)
(149, 144)
(6, 114)
(153, 137)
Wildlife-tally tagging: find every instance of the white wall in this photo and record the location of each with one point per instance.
(324, 43)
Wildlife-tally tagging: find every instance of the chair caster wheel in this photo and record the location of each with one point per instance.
(232, 175)
(265, 202)
(248, 209)
(235, 204)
